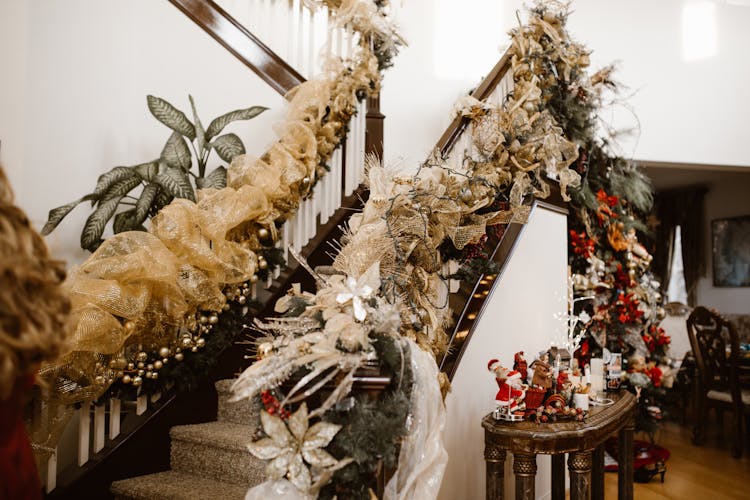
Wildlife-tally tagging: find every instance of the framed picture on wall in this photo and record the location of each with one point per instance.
(731, 251)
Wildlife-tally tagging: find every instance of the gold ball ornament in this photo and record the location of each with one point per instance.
(99, 380)
(142, 356)
(129, 326)
(201, 342)
(126, 379)
(154, 376)
(158, 365)
(137, 381)
(141, 366)
(187, 342)
(242, 299)
(254, 278)
(262, 263)
(264, 349)
(179, 356)
(131, 366)
(203, 320)
(263, 233)
(213, 319)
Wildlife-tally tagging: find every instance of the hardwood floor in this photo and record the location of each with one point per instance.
(693, 472)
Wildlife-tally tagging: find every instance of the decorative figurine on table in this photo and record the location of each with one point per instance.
(542, 372)
(520, 365)
(510, 394)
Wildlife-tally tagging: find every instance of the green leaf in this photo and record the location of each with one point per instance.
(124, 221)
(122, 187)
(147, 171)
(176, 183)
(106, 180)
(216, 179)
(91, 237)
(218, 124)
(146, 201)
(228, 146)
(56, 215)
(200, 134)
(170, 116)
(176, 152)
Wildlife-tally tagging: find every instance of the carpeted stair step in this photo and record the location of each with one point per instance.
(245, 412)
(171, 485)
(216, 450)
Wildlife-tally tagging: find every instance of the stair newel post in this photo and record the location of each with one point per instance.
(374, 132)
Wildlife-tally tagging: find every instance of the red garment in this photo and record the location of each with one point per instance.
(18, 475)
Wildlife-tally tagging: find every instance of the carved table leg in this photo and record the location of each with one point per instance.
(494, 456)
(579, 463)
(625, 462)
(558, 476)
(524, 468)
(597, 473)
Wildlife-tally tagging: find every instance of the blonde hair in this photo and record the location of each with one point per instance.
(33, 306)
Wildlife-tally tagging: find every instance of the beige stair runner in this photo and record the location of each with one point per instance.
(209, 461)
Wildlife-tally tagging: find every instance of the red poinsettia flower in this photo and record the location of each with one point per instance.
(602, 197)
(582, 245)
(655, 374)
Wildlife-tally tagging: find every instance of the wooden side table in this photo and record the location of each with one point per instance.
(582, 441)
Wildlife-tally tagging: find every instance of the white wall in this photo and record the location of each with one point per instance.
(689, 110)
(727, 197)
(13, 55)
(78, 100)
(518, 316)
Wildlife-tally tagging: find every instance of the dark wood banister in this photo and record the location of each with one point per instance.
(148, 436)
(458, 125)
(239, 41)
(469, 302)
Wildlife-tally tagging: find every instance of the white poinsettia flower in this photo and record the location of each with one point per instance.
(356, 290)
(584, 317)
(292, 445)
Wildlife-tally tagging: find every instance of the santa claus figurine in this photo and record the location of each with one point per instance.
(511, 390)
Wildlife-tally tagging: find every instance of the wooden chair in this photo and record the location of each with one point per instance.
(716, 349)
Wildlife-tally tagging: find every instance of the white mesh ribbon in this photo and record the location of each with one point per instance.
(422, 460)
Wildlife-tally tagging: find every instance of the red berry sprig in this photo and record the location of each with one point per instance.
(272, 405)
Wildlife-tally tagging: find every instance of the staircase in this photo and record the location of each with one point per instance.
(208, 461)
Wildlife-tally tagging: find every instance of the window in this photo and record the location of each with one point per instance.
(676, 291)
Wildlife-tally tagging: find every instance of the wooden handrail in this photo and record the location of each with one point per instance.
(469, 301)
(239, 41)
(471, 298)
(458, 125)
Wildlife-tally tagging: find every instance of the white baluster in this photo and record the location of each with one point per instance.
(155, 397)
(141, 404)
(84, 433)
(337, 184)
(298, 230)
(99, 421)
(361, 132)
(292, 34)
(285, 241)
(114, 418)
(312, 45)
(52, 471)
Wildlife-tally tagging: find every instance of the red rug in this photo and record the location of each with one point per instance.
(644, 453)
